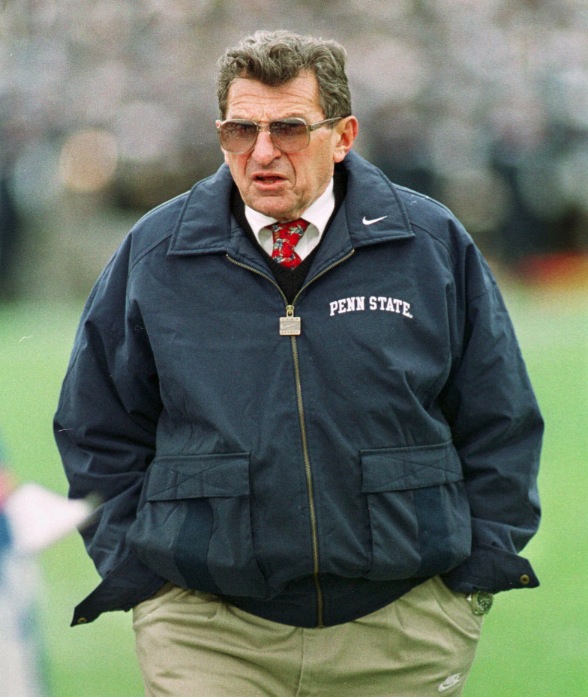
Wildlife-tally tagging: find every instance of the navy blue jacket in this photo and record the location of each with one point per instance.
(308, 478)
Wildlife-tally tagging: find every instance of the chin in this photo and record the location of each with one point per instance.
(276, 212)
(272, 206)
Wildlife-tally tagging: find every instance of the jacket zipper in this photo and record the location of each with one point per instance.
(302, 420)
(320, 604)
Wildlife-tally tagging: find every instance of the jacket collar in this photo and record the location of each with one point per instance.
(372, 213)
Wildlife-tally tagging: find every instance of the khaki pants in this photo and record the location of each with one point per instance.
(191, 645)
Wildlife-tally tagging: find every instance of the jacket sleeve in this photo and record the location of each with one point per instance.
(497, 430)
(106, 418)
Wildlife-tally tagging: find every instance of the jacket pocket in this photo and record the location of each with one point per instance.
(194, 526)
(418, 510)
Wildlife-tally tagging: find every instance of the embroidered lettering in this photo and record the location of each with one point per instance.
(386, 304)
(406, 309)
(353, 304)
(380, 303)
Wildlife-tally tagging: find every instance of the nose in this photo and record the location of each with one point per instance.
(264, 150)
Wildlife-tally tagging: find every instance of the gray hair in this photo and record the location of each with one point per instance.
(276, 57)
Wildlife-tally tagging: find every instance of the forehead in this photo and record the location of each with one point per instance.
(249, 98)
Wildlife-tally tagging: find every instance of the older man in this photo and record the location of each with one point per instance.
(298, 392)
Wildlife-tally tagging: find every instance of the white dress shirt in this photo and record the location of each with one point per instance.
(317, 215)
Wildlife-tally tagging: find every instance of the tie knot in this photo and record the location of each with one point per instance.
(285, 238)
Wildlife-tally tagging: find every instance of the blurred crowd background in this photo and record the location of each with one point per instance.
(107, 108)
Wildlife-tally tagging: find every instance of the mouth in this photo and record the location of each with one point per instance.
(268, 179)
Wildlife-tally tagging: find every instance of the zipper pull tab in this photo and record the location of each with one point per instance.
(290, 325)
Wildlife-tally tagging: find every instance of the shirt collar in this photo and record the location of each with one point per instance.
(317, 214)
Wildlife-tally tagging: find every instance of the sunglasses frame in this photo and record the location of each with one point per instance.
(268, 126)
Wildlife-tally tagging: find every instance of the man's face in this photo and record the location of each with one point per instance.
(283, 185)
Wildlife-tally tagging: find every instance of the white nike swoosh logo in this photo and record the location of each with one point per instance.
(374, 220)
(451, 681)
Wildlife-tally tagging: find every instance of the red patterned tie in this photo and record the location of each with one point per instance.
(286, 237)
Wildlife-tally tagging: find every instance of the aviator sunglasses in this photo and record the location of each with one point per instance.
(238, 136)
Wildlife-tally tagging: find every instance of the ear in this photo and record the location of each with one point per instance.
(346, 130)
(217, 124)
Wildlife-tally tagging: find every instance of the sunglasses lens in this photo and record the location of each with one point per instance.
(237, 136)
(289, 135)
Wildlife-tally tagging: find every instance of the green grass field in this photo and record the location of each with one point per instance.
(535, 643)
